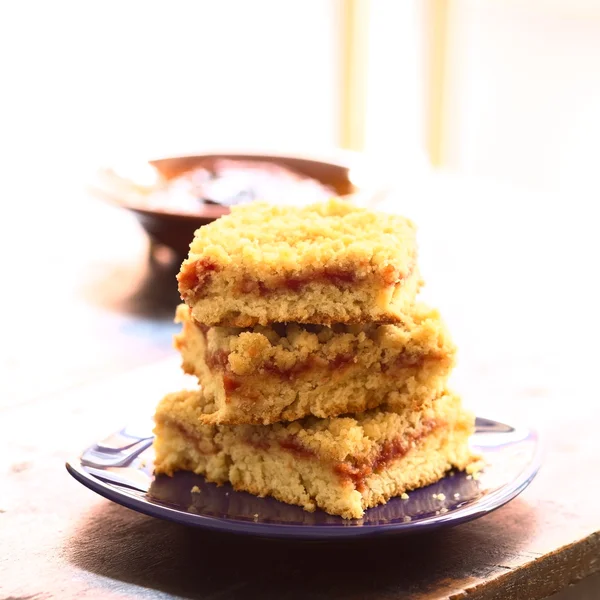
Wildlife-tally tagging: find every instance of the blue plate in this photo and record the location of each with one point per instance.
(120, 469)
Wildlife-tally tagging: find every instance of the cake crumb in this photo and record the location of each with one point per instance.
(441, 496)
(456, 496)
(407, 519)
(357, 440)
(404, 496)
(437, 512)
(328, 262)
(475, 476)
(196, 490)
(469, 477)
(274, 354)
(443, 510)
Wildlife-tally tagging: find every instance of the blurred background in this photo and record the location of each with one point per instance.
(485, 112)
(496, 88)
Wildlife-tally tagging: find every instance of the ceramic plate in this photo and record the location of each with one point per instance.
(120, 469)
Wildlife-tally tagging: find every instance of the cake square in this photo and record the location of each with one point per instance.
(342, 465)
(289, 371)
(331, 262)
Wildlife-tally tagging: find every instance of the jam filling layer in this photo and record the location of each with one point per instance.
(197, 275)
(358, 472)
(193, 438)
(219, 361)
(355, 471)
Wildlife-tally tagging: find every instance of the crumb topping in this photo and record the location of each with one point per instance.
(336, 239)
(371, 437)
(292, 348)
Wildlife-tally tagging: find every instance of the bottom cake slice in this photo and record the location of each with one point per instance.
(342, 465)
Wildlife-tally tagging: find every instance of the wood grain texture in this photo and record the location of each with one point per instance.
(503, 273)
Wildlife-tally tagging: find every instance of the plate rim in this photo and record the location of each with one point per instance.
(474, 510)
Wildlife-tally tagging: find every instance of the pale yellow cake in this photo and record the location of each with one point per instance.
(342, 465)
(327, 263)
(289, 371)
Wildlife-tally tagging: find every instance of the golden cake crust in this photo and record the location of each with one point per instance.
(289, 371)
(325, 263)
(342, 465)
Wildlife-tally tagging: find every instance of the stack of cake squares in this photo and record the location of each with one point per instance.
(322, 379)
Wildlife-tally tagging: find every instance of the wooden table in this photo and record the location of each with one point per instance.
(86, 346)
